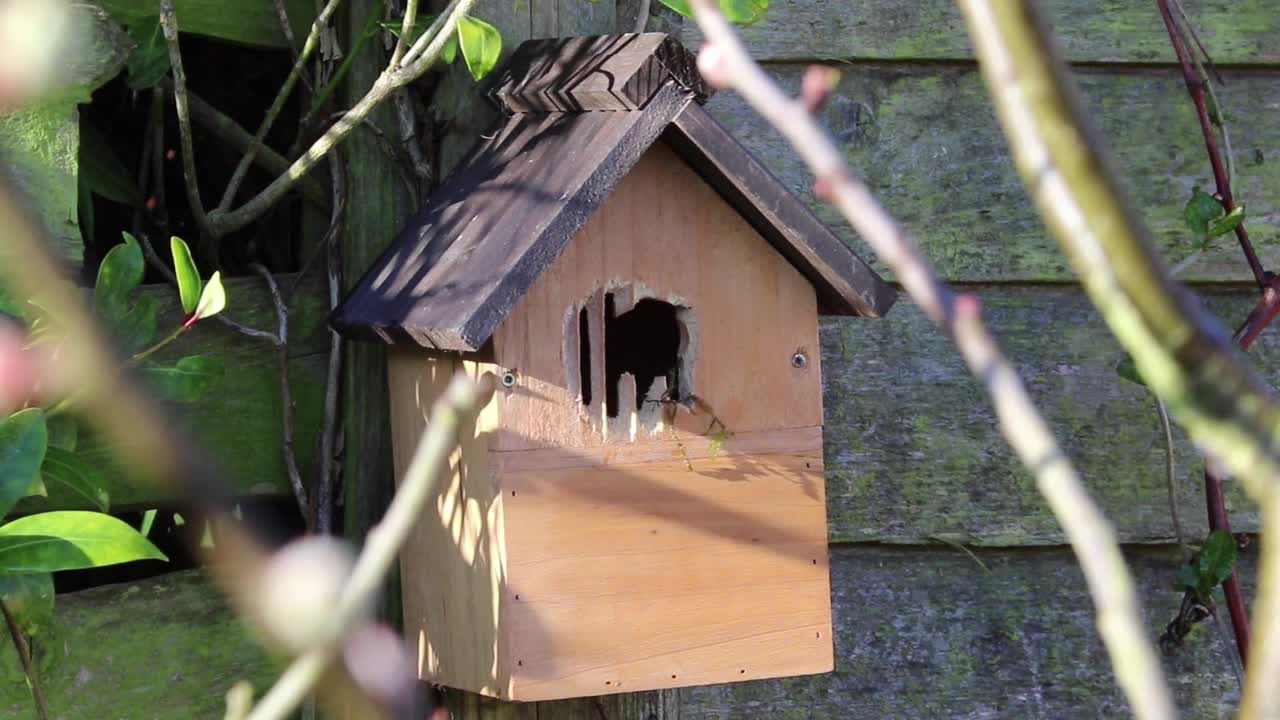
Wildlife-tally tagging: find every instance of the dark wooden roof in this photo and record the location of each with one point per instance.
(506, 212)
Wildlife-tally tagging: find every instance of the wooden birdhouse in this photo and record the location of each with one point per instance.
(641, 504)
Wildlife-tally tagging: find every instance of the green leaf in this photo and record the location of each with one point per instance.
(102, 171)
(63, 430)
(740, 12)
(29, 599)
(1200, 210)
(24, 438)
(9, 305)
(212, 299)
(149, 61)
(188, 380)
(121, 271)
(1188, 578)
(449, 52)
(70, 540)
(1226, 223)
(1217, 558)
(138, 326)
(84, 481)
(184, 267)
(1128, 370)
(148, 519)
(481, 44)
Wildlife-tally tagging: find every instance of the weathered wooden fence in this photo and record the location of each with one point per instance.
(914, 459)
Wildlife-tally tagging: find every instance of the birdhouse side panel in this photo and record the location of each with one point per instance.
(666, 316)
(453, 567)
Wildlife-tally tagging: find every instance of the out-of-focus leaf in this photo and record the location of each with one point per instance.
(102, 170)
(481, 44)
(148, 519)
(70, 540)
(184, 268)
(149, 62)
(188, 380)
(138, 326)
(23, 440)
(80, 478)
(29, 599)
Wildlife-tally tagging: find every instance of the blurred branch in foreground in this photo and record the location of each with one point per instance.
(725, 62)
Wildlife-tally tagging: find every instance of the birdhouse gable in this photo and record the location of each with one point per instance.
(583, 111)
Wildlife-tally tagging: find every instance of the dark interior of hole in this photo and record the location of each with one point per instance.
(645, 342)
(584, 356)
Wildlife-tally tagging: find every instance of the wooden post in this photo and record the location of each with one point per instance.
(463, 115)
(375, 211)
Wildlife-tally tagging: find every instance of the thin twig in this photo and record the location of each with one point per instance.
(725, 61)
(406, 31)
(1171, 476)
(286, 89)
(230, 132)
(169, 23)
(1197, 81)
(460, 402)
(29, 667)
(328, 475)
(286, 27)
(1223, 638)
(1196, 89)
(642, 16)
(286, 392)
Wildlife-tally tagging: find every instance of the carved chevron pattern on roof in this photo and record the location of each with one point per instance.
(607, 72)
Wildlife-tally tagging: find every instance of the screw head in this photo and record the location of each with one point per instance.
(509, 378)
(799, 360)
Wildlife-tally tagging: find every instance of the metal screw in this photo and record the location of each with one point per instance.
(509, 378)
(799, 360)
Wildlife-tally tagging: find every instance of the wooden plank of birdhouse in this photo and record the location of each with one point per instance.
(668, 235)
(848, 284)
(661, 576)
(454, 559)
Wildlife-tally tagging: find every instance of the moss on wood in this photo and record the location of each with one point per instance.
(913, 452)
(167, 647)
(1087, 30)
(926, 141)
(930, 634)
(238, 420)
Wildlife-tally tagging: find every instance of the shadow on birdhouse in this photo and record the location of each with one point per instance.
(641, 505)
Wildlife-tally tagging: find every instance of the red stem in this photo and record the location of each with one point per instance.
(1195, 88)
(1258, 319)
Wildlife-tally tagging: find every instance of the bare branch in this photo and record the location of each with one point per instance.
(328, 431)
(286, 393)
(313, 39)
(169, 22)
(724, 61)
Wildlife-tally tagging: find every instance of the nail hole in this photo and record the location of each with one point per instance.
(520, 663)
(673, 677)
(513, 493)
(608, 682)
(815, 561)
(807, 465)
(799, 360)
(817, 634)
(517, 596)
(742, 672)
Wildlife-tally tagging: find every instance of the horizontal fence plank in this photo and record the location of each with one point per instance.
(927, 142)
(166, 647)
(238, 422)
(913, 451)
(923, 634)
(1086, 30)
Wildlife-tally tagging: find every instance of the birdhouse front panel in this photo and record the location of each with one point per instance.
(641, 504)
(660, 452)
